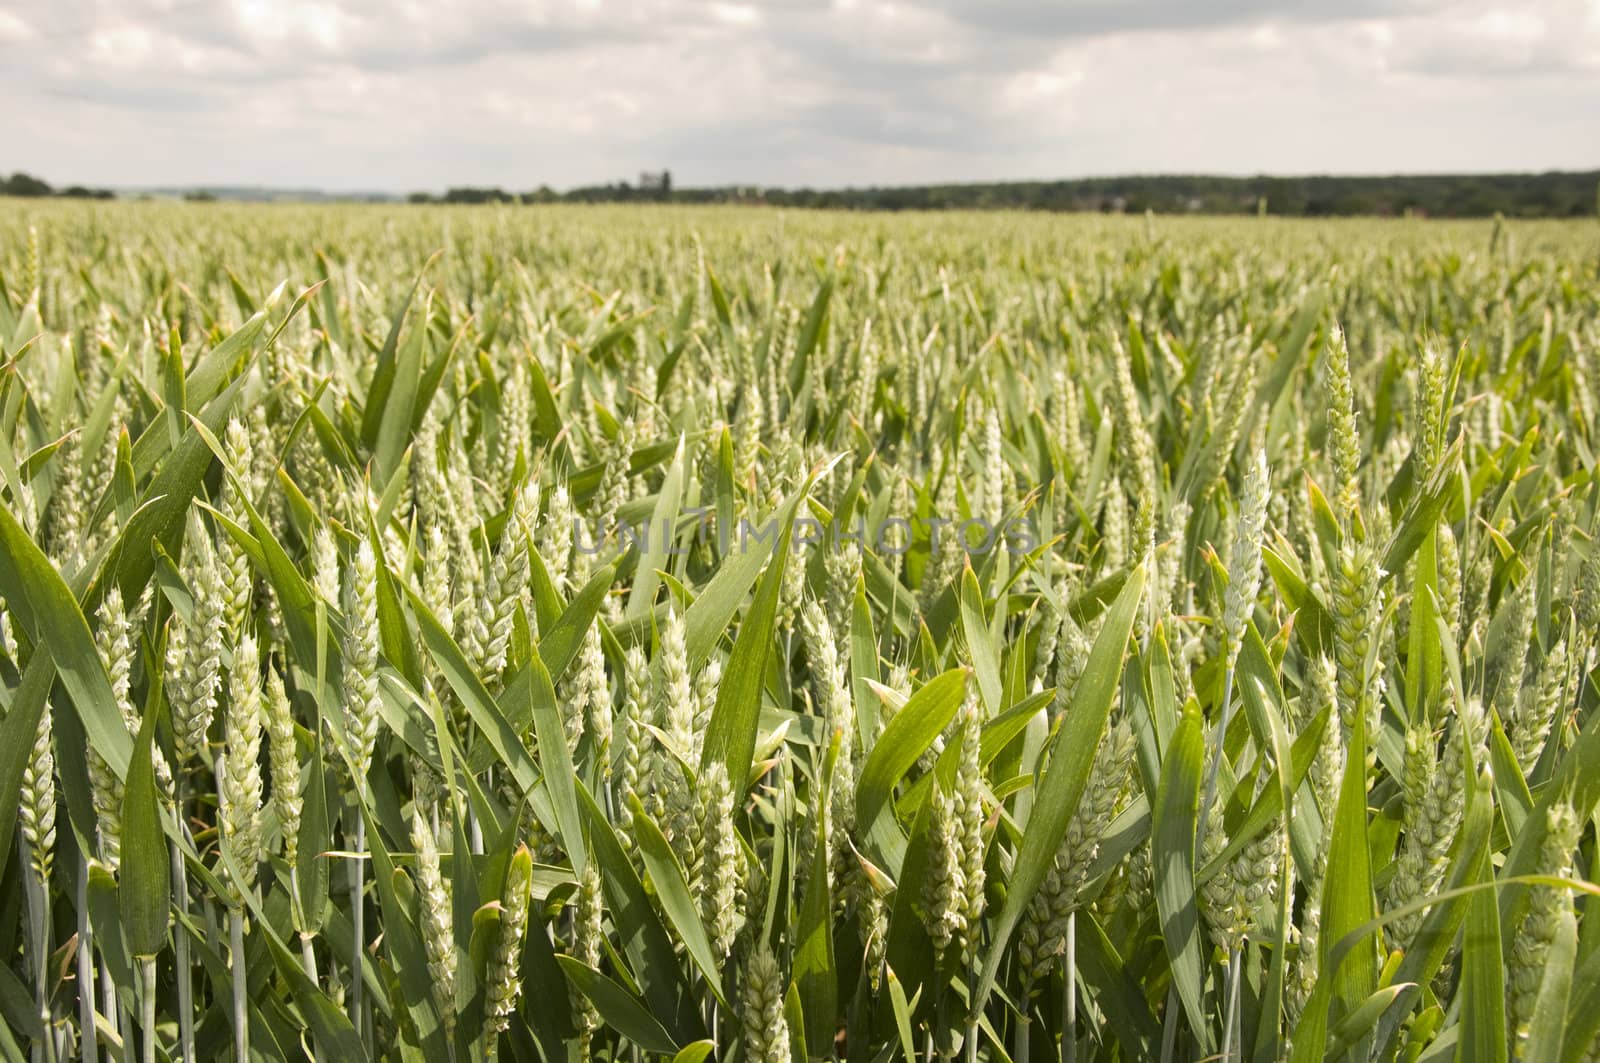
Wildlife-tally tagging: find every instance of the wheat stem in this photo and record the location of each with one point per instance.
(180, 890)
(358, 921)
(88, 1040)
(241, 985)
(147, 1018)
(1069, 993)
(1230, 1028)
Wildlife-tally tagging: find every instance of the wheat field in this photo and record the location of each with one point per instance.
(636, 633)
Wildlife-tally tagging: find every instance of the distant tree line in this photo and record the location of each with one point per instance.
(22, 184)
(1542, 195)
(658, 191)
(1515, 195)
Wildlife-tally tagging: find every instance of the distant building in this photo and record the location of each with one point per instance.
(659, 184)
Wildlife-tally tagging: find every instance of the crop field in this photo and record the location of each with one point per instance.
(560, 634)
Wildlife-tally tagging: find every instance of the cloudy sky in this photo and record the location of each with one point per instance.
(421, 94)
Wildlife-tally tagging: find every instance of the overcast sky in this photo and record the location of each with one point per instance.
(421, 94)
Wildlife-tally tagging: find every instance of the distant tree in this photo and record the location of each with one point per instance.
(420, 197)
(478, 195)
(22, 184)
(199, 195)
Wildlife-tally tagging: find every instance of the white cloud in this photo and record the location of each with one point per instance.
(1475, 41)
(736, 14)
(13, 29)
(370, 94)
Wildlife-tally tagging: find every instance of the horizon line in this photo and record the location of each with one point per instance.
(368, 190)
